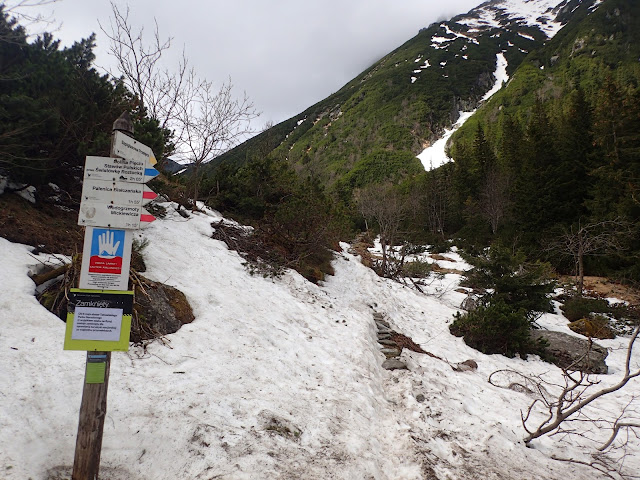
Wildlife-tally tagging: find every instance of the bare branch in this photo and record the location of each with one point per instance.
(23, 10)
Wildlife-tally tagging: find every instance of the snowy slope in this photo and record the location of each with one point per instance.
(435, 155)
(490, 17)
(275, 379)
(533, 13)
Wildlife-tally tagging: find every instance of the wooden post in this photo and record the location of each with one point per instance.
(93, 409)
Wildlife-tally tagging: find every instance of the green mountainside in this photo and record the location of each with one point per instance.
(563, 136)
(373, 128)
(557, 148)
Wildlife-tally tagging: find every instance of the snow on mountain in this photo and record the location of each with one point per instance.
(276, 379)
(531, 13)
(495, 14)
(435, 155)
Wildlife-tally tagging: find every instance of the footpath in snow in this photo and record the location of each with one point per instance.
(275, 379)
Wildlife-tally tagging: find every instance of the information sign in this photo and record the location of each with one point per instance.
(126, 147)
(98, 320)
(118, 170)
(94, 214)
(106, 259)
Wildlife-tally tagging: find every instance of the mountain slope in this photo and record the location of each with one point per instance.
(374, 126)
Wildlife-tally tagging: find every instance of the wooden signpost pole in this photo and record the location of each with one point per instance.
(93, 409)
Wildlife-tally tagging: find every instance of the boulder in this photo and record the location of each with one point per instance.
(470, 303)
(596, 327)
(466, 366)
(573, 353)
(159, 310)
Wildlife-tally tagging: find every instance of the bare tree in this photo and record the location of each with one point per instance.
(560, 410)
(494, 197)
(28, 12)
(159, 90)
(212, 121)
(435, 199)
(590, 239)
(384, 205)
(204, 121)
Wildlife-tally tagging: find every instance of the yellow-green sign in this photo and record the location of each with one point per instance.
(98, 320)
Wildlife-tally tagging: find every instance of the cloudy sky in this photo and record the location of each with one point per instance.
(285, 54)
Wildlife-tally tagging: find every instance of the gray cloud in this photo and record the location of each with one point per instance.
(286, 54)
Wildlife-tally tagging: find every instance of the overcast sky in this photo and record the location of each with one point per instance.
(286, 54)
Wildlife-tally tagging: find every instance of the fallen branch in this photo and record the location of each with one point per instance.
(46, 276)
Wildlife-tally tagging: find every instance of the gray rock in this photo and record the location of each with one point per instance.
(573, 353)
(384, 336)
(470, 303)
(161, 308)
(394, 364)
(391, 352)
(466, 366)
(387, 342)
(382, 324)
(420, 398)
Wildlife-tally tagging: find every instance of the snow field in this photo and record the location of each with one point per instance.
(275, 379)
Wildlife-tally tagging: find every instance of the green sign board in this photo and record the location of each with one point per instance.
(98, 320)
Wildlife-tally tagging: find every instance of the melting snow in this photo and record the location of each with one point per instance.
(435, 155)
(528, 37)
(500, 75)
(528, 12)
(275, 379)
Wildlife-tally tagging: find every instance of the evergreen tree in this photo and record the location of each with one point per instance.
(536, 187)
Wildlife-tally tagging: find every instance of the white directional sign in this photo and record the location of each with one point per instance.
(127, 147)
(116, 193)
(118, 169)
(97, 214)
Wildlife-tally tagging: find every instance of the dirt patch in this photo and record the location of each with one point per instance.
(605, 288)
(43, 226)
(437, 256)
(437, 268)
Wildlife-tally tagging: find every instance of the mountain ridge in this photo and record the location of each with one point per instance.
(447, 67)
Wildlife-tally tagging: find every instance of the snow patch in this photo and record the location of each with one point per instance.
(435, 155)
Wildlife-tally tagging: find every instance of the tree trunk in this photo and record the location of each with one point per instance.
(580, 269)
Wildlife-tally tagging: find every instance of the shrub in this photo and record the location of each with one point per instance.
(577, 308)
(416, 269)
(495, 327)
(440, 246)
(519, 292)
(518, 283)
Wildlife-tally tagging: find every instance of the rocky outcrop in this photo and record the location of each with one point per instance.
(573, 353)
(159, 310)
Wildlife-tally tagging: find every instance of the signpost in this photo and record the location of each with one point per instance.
(119, 169)
(114, 192)
(100, 311)
(95, 214)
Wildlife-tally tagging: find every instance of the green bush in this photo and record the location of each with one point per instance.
(581, 307)
(495, 327)
(518, 283)
(416, 269)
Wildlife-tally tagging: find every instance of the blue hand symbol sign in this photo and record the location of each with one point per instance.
(106, 248)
